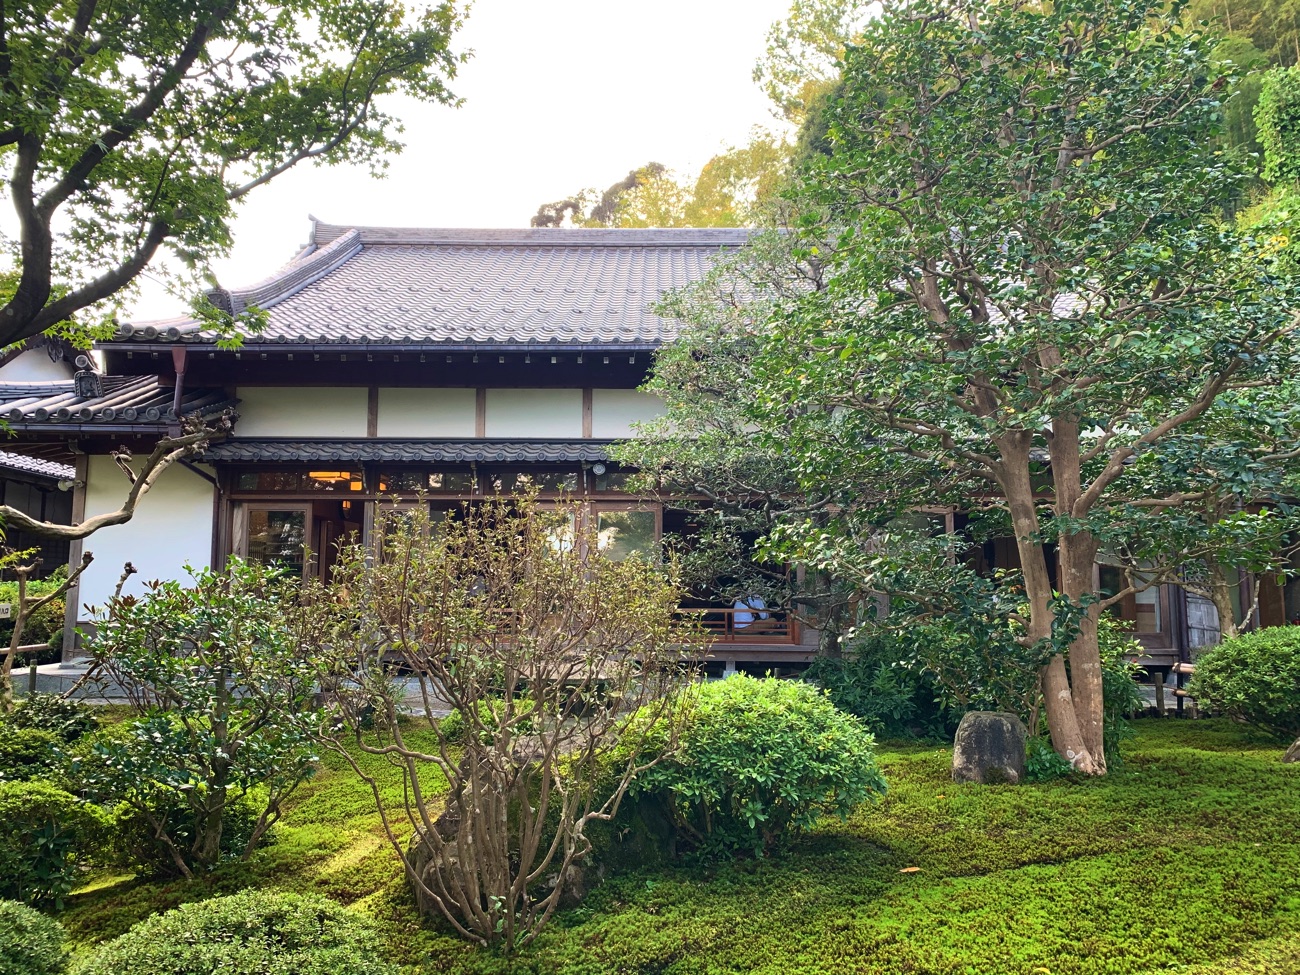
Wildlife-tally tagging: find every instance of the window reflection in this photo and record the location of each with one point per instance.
(626, 534)
(299, 481)
(434, 482)
(277, 537)
(510, 481)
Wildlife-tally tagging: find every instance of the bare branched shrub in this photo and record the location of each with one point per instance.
(506, 614)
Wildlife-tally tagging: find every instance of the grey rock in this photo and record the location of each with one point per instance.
(989, 748)
(1293, 753)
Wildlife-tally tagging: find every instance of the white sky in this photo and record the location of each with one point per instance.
(560, 95)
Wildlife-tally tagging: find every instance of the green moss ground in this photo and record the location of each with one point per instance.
(1186, 860)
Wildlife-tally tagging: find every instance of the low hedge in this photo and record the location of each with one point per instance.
(759, 761)
(45, 833)
(30, 942)
(249, 933)
(27, 753)
(1254, 678)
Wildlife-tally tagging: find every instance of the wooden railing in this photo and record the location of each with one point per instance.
(745, 625)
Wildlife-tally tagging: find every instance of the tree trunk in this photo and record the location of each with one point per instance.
(1068, 738)
(1078, 556)
(1224, 604)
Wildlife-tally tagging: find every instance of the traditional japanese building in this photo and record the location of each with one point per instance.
(455, 363)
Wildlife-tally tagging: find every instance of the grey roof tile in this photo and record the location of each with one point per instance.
(376, 450)
(357, 285)
(131, 400)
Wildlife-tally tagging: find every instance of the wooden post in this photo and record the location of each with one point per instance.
(1158, 679)
(31, 678)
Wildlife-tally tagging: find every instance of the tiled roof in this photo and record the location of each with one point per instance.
(394, 286)
(133, 401)
(376, 450)
(36, 465)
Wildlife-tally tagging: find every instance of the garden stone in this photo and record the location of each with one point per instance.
(989, 747)
(1293, 753)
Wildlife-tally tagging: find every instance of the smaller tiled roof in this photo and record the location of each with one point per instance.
(36, 465)
(125, 401)
(384, 450)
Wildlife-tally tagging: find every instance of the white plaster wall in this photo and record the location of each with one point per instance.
(301, 411)
(613, 411)
(171, 526)
(426, 413)
(35, 366)
(534, 413)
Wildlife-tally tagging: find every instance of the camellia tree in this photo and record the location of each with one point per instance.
(127, 127)
(1028, 289)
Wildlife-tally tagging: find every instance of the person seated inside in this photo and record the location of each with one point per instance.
(751, 614)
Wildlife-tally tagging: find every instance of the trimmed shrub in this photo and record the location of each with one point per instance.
(70, 720)
(1254, 678)
(44, 834)
(249, 933)
(760, 760)
(30, 942)
(26, 753)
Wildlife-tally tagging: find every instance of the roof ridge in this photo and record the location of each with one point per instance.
(324, 233)
(290, 279)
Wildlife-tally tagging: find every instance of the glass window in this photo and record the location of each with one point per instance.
(611, 480)
(278, 536)
(508, 482)
(434, 482)
(299, 481)
(1148, 610)
(623, 534)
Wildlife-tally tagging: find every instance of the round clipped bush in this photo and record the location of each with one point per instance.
(760, 760)
(1254, 678)
(70, 720)
(27, 753)
(44, 834)
(30, 942)
(249, 933)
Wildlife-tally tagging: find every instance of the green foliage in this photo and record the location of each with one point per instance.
(1277, 117)
(30, 942)
(47, 620)
(231, 686)
(27, 753)
(875, 679)
(1270, 26)
(250, 933)
(1042, 764)
(1122, 697)
(803, 53)
(491, 713)
(726, 192)
(1254, 678)
(44, 834)
(68, 719)
(760, 761)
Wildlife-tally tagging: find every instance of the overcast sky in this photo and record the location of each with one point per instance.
(559, 95)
